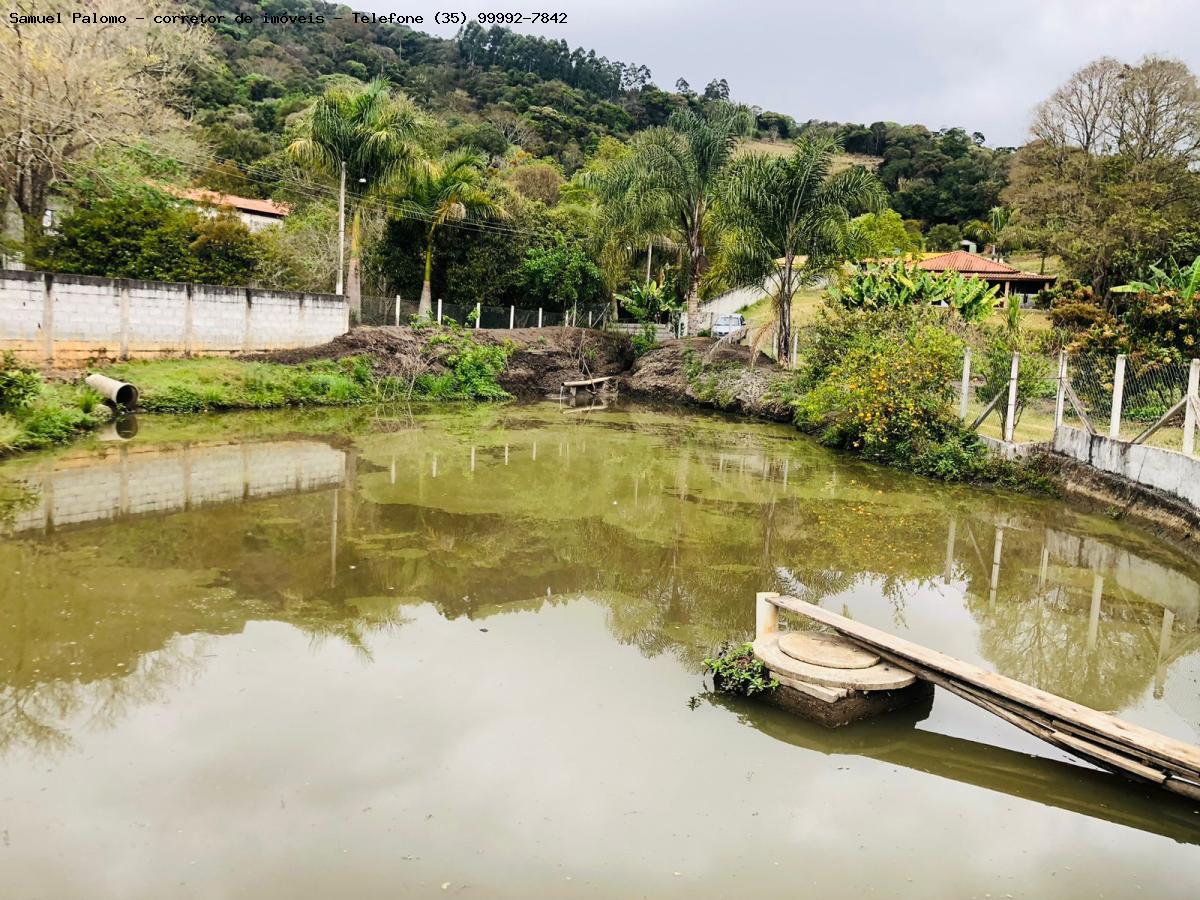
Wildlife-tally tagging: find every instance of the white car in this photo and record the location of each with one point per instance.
(728, 324)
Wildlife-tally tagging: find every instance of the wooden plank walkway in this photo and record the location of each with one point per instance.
(592, 384)
(1103, 740)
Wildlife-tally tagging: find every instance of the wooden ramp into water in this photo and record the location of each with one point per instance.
(1103, 740)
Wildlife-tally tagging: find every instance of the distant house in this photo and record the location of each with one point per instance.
(256, 214)
(975, 266)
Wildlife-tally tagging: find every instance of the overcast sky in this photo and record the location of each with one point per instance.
(939, 63)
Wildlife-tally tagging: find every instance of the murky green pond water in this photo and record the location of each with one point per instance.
(367, 654)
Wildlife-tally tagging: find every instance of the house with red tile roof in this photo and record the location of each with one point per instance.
(256, 214)
(973, 265)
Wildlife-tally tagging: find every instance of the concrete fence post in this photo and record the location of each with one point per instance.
(1189, 409)
(397, 310)
(124, 314)
(478, 314)
(48, 318)
(965, 391)
(1009, 424)
(188, 319)
(539, 317)
(589, 318)
(766, 614)
(1060, 398)
(512, 315)
(1118, 398)
(439, 318)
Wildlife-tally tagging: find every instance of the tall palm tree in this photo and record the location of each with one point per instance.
(671, 175)
(366, 137)
(450, 189)
(785, 222)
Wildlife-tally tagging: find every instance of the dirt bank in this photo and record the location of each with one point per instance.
(698, 371)
(542, 358)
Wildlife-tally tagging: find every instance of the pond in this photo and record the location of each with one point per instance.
(401, 653)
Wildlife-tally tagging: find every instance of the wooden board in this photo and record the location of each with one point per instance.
(1016, 697)
(588, 382)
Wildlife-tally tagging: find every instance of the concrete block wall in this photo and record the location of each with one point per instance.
(1165, 470)
(70, 321)
(128, 480)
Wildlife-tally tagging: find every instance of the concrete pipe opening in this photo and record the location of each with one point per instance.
(120, 393)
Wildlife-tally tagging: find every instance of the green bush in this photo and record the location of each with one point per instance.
(20, 385)
(645, 340)
(141, 232)
(736, 670)
(888, 394)
(1079, 316)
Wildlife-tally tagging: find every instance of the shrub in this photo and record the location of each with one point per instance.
(645, 340)
(736, 670)
(1079, 316)
(20, 385)
(887, 395)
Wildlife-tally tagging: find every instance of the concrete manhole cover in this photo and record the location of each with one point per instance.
(827, 650)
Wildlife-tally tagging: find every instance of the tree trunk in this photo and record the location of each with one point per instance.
(695, 270)
(425, 309)
(783, 315)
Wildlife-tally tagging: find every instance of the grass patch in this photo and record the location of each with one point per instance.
(200, 385)
(34, 414)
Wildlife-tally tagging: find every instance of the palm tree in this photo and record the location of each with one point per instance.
(450, 189)
(669, 179)
(785, 222)
(366, 136)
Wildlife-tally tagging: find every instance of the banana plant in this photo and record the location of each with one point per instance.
(1181, 281)
(896, 285)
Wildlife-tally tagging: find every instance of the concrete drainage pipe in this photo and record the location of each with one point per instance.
(120, 393)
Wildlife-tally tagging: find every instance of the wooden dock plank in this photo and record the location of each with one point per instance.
(1148, 746)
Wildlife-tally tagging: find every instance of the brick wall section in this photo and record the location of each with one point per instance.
(128, 481)
(69, 321)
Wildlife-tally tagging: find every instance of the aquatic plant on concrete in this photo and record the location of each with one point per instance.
(736, 670)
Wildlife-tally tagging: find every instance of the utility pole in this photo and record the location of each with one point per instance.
(341, 285)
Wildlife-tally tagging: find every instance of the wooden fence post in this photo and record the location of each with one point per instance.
(1190, 409)
(1118, 398)
(1060, 399)
(1009, 424)
(766, 614)
(965, 392)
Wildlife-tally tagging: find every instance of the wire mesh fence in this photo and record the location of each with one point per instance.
(990, 374)
(1152, 389)
(395, 311)
(1133, 399)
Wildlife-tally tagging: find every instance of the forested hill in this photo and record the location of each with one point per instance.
(493, 88)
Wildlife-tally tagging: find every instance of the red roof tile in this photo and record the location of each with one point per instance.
(967, 263)
(245, 204)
